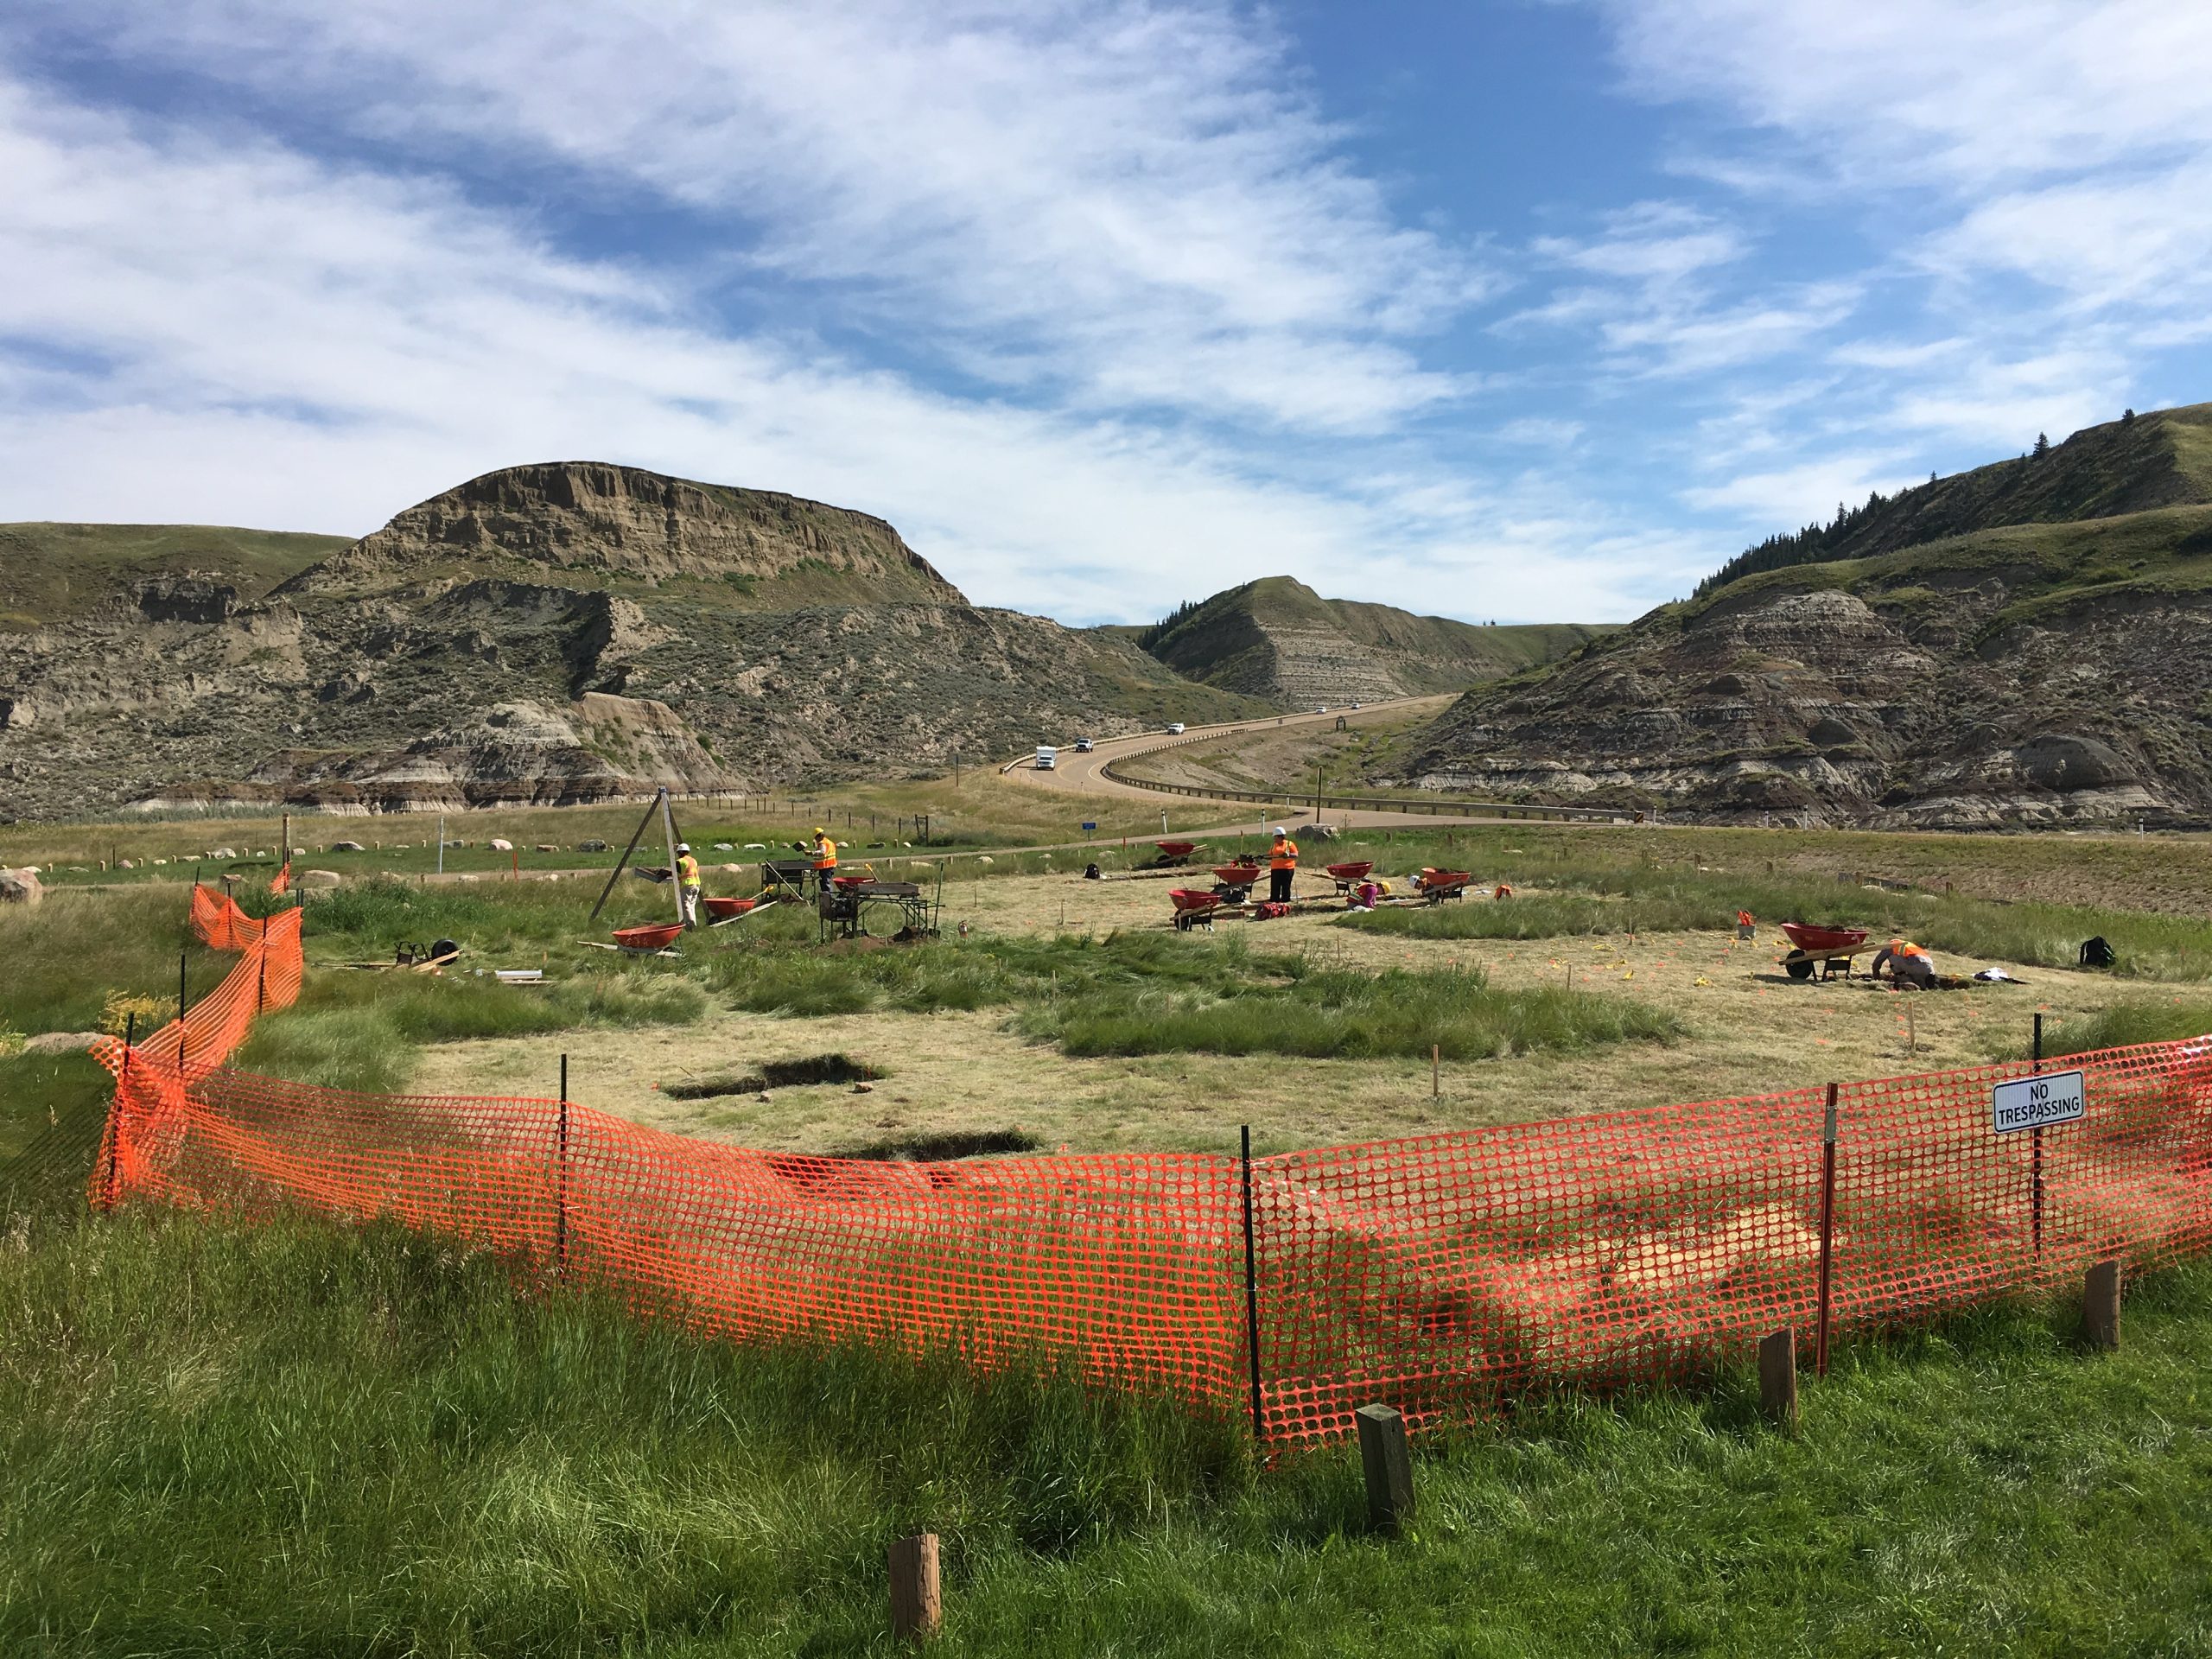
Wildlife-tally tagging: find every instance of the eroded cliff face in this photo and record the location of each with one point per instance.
(545, 635)
(588, 520)
(1992, 691)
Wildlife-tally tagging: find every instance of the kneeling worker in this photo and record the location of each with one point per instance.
(687, 885)
(1282, 864)
(1909, 964)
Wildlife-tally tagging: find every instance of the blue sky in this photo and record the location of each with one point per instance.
(1525, 311)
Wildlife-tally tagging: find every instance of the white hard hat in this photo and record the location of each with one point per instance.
(1280, 830)
(683, 846)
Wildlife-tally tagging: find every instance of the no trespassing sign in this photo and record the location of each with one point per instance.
(2037, 1103)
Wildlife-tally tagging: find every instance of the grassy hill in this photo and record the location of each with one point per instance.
(1277, 639)
(56, 572)
(2160, 459)
(2025, 642)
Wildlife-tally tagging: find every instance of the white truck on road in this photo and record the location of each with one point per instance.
(1045, 756)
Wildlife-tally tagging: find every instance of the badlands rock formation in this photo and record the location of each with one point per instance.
(546, 634)
(2023, 672)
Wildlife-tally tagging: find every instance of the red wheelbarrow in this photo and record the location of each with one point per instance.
(1238, 879)
(643, 941)
(1820, 947)
(1437, 886)
(1194, 908)
(1348, 876)
(722, 909)
(1172, 853)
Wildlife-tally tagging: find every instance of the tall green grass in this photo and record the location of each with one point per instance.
(355, 1442)
(310, 1441)
(362, 1031)
(2136, 1020)
(1163, 993)
(1600, 899)
(986, 971)
(1336, 1013)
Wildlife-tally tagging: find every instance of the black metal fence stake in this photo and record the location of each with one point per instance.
(561, 1213)
(1828, 1235)
(115, 1114)
(1252, 1294)
(179, 1018)
(2035, 1162)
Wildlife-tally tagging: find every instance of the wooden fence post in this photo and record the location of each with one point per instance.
(916, 1603)
(1778, 1377)
(2101, 1306)
(1387, 1465)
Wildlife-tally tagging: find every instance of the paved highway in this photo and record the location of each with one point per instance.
(1085, 774)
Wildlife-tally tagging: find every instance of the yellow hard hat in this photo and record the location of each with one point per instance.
(819, 830)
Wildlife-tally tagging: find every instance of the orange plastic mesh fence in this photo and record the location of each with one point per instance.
(1433, 1273)
(153, 1079)
(1443, 1271)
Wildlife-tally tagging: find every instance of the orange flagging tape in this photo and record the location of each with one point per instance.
(1436, 1274)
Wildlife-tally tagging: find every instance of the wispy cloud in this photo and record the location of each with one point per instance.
(2035, 179)
(255, 335)
(1138, 204)
(1661, 310)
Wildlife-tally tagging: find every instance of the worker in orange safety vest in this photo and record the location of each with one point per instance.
(687, 885)
(826, 857)
(1909, 964)
(1282, 864)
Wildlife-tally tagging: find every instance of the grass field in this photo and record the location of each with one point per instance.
(314, 1441)
(1071, 1014)
(307, 1441)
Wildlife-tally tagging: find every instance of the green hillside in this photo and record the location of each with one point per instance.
(56, 571)
(2163, 458)
(1277, 639)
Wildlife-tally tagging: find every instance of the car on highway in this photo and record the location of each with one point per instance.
(1175, 729)
(1320, 708)
(1083, 746)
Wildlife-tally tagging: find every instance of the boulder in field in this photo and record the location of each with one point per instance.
(321, 879)
(21, 887)
(501, 844)
(348, 846)
(62, 1042)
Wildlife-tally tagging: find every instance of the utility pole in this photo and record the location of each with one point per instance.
(442, 843)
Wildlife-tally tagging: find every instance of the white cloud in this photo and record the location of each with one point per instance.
(1135, 202)
(2101, 243)
(279, 341)
(2067, 140)
(1963, 92)
(1540, 432)
(1655, 242)
(2003, 403)
(1792, 497)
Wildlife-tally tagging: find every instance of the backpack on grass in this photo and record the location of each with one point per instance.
(2095, 953)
